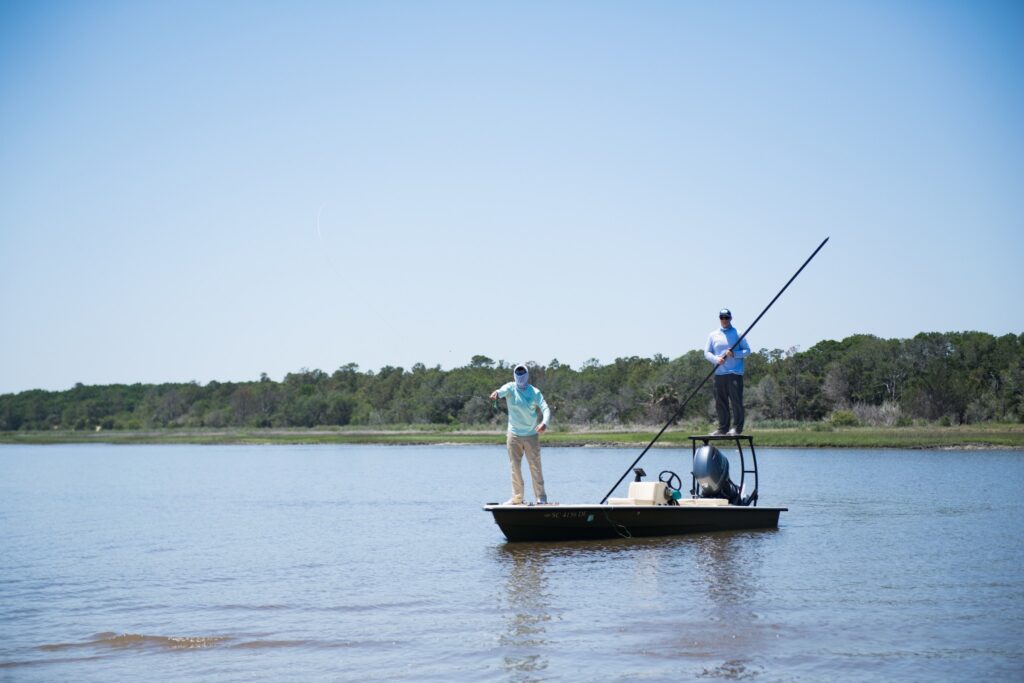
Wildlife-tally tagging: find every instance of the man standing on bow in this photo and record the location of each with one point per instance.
(525, 404)
(728, 375)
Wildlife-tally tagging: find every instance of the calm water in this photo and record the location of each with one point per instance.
(377, 563)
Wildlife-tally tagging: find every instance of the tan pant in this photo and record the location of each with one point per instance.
(530, 445)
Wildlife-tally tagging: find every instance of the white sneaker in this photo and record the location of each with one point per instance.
(717, 432)
(513, 501)
(731, 432)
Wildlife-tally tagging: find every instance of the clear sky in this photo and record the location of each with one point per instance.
(211, 190)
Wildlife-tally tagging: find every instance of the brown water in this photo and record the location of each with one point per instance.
(377, 563)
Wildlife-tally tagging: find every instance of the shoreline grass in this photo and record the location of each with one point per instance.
(814, 435)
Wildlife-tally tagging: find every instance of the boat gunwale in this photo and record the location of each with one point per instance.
(606, 506)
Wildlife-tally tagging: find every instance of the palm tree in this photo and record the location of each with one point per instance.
(664, 402)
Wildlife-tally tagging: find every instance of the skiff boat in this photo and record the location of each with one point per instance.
(654, 508)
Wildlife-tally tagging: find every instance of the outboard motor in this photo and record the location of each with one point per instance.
(711, 471)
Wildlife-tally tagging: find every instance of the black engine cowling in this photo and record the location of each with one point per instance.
(711, 472)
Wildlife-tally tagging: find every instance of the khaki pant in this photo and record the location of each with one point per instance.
(530, 445)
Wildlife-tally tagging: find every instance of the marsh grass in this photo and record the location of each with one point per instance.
(777, 434)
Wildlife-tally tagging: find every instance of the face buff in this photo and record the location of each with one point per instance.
(522, 376)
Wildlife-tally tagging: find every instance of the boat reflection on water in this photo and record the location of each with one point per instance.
(689, 598)
(527, 610)
(728, 587)
(685, 598)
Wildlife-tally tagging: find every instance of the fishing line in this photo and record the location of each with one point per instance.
(319, 211)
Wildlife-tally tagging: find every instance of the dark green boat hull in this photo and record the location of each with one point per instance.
(587, 522)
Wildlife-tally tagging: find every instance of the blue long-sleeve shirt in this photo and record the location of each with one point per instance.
(720, 341)
(523, 407)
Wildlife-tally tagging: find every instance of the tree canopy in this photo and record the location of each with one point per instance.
(954, 377)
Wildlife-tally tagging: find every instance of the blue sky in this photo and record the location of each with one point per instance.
(211, 190)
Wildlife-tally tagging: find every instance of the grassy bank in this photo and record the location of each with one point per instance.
(805, 436)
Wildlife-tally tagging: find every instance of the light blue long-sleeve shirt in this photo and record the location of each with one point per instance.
(720, 341)
(523, 407)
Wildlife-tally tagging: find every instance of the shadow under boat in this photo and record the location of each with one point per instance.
(715, 503)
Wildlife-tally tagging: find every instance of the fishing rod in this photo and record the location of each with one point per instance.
(679, 410)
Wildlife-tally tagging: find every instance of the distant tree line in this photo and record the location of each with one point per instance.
(952, 378)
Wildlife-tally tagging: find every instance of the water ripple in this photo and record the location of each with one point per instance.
(139, 641)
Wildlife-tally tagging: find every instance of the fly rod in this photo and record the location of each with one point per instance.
(679, 410)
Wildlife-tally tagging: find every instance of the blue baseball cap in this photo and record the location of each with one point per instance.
(725, 313)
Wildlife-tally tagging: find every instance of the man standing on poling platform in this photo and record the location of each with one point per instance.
(728, 375)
